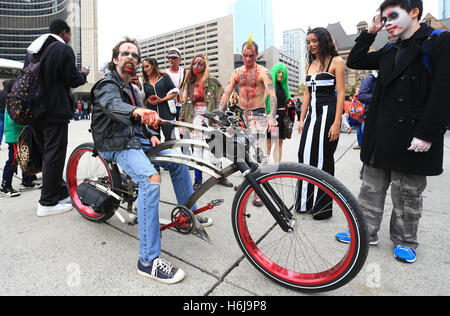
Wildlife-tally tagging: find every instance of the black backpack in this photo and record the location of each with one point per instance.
(427, 49)
(24, 101)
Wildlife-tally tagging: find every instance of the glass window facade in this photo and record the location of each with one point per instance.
(444, 9)
(22, 21)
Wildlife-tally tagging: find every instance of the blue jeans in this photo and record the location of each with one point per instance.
(360, 133)
(136, 164)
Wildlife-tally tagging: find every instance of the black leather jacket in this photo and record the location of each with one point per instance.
(113, 127)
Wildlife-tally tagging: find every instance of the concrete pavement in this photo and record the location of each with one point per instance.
(67, 255)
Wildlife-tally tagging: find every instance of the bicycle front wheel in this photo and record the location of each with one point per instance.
(308, 259)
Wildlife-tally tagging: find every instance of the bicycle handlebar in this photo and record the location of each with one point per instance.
(222, 119)
(228, 140)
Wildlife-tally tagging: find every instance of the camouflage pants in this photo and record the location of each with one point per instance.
(406, 192)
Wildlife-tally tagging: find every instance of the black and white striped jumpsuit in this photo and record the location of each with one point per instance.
(315, 147)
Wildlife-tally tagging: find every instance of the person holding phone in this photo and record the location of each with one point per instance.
(159, 89)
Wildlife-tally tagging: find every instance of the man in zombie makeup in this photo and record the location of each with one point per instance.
(254, 82)
(117, 119)
(405, 127)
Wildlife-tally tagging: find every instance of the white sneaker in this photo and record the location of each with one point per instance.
(44, 211)
(67, 200)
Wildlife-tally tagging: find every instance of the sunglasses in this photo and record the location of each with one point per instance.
(126, 54)
(172, 58)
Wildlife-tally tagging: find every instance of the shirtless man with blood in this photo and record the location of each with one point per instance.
(254, 82)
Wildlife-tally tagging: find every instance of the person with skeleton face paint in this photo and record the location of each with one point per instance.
(202, 94)
(404, 135)
(399, 23)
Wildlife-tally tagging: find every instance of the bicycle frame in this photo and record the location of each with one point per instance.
(289, 230)
(246, 167)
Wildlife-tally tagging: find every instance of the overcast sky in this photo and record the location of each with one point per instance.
(147, 18)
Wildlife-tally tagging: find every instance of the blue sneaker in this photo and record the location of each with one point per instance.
(405, 254)
(345, 238)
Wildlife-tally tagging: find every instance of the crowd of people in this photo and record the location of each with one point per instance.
(82, 111)
(400, 134)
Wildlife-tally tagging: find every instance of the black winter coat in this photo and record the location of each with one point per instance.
(408, 101)
(113, 127)
(58, 74)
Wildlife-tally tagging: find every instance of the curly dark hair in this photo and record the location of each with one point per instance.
(327, 47)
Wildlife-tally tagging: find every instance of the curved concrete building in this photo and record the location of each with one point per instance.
(22, 21)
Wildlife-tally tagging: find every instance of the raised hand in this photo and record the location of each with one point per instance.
(377, 24)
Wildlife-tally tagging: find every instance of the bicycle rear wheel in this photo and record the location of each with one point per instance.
(309, 259)
(85, 165)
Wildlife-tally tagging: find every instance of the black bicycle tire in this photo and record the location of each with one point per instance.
(115, 179)
(342, 193)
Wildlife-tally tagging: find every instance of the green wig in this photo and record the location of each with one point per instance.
(284, 82)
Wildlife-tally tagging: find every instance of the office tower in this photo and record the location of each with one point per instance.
(294, 44)
(22, 21)
(253, 17)
(273, 55)
(213, 38)
(444, 9)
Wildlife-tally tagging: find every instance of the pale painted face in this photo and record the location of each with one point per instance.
(397, 21)
(127, 61)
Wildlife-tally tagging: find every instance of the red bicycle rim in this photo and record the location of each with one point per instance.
(72, 182)
(293, 277)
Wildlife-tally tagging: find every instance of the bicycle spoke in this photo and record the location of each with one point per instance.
(310, 253)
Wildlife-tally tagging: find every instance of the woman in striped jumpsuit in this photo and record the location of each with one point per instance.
(321, 117)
